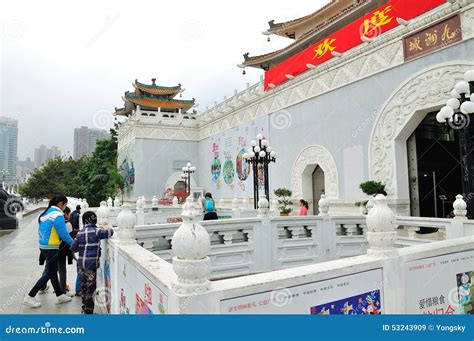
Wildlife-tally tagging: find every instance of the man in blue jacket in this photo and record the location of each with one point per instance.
(52, 229)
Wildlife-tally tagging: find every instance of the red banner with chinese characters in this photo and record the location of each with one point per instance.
(371, 25)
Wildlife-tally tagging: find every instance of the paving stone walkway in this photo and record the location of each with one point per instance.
(19, 270)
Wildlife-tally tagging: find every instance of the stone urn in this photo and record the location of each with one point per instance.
(381, 233)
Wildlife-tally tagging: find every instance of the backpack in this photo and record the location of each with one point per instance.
(209, 205)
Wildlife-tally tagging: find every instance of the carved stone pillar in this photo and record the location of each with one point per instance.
(381, 226)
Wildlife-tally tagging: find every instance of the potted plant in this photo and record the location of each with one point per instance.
(284, 201)
(370, 188)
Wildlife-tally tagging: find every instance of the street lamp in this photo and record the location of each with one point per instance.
(260, 153)
(187, 171)
(456, 114)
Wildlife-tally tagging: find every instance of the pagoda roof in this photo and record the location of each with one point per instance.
(288, 28)
(162, 102)
(352, 11)
(157, 89)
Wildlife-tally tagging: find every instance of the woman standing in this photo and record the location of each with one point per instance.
(303, 207)
(209, 207)
(51, 230)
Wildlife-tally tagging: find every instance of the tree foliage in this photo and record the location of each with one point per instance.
(94, 178)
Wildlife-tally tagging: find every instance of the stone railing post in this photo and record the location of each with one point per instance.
(109, 202)
(191, 245)
(460, 208)
(140, 213)
(154, 203)
(263, 208)
(117, 202)
(235, 208)
(381, 226)
(126, 225)
(85, 204)
(102, 214)
(175, 202)
(323, 206)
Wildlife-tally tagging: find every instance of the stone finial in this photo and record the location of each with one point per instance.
(235, 204)
(85, 204)
(381, 227)
(175, 202)
(460, 207)
(102, 214)
(323, 205)
(126, 223)
(263, 207)
(109, 202)
(154, 203)
(191, 245)
(142, 198)
(274, 204)
(245, 203)
(116, 202)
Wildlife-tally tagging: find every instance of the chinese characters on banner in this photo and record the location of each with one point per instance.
(441, 285)
(359, 293)
(380, 20)
(432, 38)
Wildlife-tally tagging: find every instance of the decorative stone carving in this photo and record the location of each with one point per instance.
(191, 245)
(427, 89)
(319, 155)
(140, 206)
(460, 207)
(126, 223)
(263, 206)
(117, 202)
(102, 214)
(109, 202)
(323, 205)
(381, 233)
(85, 205)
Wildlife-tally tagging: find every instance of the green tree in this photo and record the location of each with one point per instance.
(100, 178)
(94, 178)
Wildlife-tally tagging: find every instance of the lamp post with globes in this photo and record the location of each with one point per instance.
(456, 115)
(260, 153)
(187, 171)
(4, 173)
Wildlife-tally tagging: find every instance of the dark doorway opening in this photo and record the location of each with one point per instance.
(438, 176)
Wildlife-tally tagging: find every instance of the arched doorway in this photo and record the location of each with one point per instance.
(314, 172)
(403, 112)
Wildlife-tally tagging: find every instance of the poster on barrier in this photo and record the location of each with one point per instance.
(442, 285)
(137, 295)
(355, 294)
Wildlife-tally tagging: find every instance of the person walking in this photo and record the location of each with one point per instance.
(303, 207)
(209, 207)
(51, 230)
(75, 219)
(65, 254)
(87, 243)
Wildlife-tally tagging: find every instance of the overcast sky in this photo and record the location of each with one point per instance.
(66, 64)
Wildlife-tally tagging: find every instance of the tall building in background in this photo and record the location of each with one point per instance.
(8, 148)
(85, 140)
(43, 154)
(24, 169)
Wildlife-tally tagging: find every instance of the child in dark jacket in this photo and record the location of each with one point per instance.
(87, 243)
